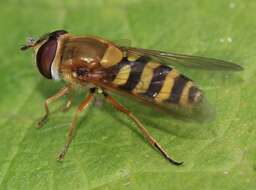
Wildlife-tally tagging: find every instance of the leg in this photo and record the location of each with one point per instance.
(71, 130)
(68, 103)
(51, 99)
(144, 131)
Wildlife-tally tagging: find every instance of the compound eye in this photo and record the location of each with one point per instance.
(45, 57)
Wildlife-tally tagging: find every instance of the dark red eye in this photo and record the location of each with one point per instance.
(45, 57)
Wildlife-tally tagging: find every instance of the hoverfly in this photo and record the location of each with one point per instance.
(94, 63)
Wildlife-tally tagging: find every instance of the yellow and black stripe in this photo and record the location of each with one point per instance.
(141, 76)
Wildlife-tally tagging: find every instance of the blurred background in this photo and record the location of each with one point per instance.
(108, 152)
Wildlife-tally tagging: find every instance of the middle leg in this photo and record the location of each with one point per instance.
(71, 130)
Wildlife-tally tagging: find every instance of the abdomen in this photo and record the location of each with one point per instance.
(154, 82)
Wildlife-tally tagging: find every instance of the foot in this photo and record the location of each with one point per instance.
(42, 122)
(61, 155)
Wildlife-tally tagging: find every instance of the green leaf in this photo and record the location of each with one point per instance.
(108, 152)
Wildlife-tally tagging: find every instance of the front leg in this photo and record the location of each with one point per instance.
(49, 100)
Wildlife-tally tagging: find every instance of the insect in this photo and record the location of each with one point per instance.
(94, 63)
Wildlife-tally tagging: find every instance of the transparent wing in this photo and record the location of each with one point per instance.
(185, 60)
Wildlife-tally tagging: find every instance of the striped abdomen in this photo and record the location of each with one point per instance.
(153, 81)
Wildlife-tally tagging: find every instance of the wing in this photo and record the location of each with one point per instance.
(175, 59)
